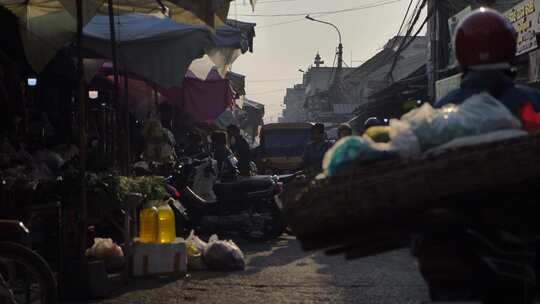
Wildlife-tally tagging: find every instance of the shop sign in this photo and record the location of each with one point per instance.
(446, 85)
(524, 16)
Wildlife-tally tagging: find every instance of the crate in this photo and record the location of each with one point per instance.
(151, 259)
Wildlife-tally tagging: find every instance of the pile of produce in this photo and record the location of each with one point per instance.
(117, 188)
(18, 166)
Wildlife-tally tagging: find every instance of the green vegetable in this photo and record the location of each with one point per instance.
(118, 187)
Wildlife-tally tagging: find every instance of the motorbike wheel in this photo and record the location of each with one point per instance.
(26, 275)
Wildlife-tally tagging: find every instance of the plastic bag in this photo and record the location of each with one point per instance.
(223, 255)
(403, 139)
(477, 139)
(195, 258)
(479, 114)
(103, 249)
(353, 149)
(196, 242)
(205, 178)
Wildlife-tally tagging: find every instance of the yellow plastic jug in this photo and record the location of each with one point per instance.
(148, 224)
(167, 225)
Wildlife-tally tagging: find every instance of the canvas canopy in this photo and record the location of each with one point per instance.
(47, 25)
(158, 49)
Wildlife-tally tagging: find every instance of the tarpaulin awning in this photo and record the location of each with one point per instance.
(47, 25)
(204, 100)
(238, 83)
(248, 30)
(160, 50)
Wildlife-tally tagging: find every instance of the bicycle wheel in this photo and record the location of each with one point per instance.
(27, 275)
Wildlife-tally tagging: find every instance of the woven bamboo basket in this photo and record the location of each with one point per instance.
(379, 204)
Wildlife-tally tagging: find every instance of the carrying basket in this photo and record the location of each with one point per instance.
(379, 204)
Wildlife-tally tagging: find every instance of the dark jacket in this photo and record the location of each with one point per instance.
(497, 84)
(314, 154)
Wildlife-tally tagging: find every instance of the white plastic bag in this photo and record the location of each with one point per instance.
(223, 255)
(403, 139)
(205, 178)
(196, 242)
(104, 249)
(477, 115)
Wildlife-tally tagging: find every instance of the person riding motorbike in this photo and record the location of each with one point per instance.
(240, 147)
(485, 44)
(315, 150)
(344, 130)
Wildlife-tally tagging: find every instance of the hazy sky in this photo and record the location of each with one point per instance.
(280, 50)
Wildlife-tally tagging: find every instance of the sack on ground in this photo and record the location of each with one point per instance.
(223, 255)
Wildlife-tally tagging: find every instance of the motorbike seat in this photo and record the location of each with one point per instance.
(244, 186)
(189, 193)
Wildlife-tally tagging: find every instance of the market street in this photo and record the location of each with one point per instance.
(283, 273)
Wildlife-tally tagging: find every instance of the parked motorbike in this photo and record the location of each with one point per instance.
(464, 261)
(24, 276)
(245, 205)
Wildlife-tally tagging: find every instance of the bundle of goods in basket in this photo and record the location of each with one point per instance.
(375, 192)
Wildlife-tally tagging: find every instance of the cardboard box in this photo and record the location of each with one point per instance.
(159, 259)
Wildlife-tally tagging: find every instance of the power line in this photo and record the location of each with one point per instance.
(315, 15)
(266, 92)
(273, 1)
(272, 80)
(377, 4)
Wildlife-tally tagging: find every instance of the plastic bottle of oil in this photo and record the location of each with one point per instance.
(167, 225)
(148, 223)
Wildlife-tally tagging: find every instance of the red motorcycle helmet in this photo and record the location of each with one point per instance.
(485, 39)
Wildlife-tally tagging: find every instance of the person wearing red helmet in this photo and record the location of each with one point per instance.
(485, 44)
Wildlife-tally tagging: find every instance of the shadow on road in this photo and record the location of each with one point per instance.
(283, 251)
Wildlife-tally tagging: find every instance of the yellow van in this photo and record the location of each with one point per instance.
(282, 146)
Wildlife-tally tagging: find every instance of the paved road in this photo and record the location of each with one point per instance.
(283, 273)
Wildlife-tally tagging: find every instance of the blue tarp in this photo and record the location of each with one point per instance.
(155, 47)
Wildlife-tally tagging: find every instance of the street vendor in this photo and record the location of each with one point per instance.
(485, 44)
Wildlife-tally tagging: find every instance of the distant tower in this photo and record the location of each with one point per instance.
(318, 60)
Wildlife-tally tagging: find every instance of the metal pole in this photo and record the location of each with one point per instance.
(432, 54)
(127, 142)
(114, 55)
(337, 77)
(81, 94)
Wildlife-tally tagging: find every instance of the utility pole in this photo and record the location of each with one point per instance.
(339, 64)
(432, 64)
